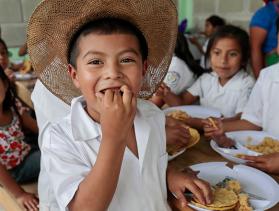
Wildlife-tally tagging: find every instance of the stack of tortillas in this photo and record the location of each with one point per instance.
(224, 199)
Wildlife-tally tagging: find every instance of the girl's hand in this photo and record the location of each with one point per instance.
(163, 90)
(117, 113)
(179, 182)
(28, 201)
(268, 163)
(213, 127)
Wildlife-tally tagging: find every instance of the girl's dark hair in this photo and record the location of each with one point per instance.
(182, 51)
(9, 100)
(106, 26)
(233, 32)
(216, 20)
(4, 44)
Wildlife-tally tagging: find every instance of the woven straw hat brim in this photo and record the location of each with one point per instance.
(53, 23)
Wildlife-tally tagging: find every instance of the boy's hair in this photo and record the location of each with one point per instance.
(233, 32)
(9, 100)
(106, 26)
(216, 21)
(183, 52)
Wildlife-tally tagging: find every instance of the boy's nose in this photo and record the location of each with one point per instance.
(224, 59)
(113, 72)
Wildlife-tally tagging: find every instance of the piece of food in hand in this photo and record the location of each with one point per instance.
(194, 139)
(26, 67)
(179, 115)
(224, 199)
(212, 123)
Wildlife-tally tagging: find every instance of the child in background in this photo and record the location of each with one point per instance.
(260, 113)
(228, 86)
(182, 72)
(18, 162)
(114, 142)
(4, 60)
(212, 23)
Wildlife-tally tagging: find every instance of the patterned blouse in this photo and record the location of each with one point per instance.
(12, 147)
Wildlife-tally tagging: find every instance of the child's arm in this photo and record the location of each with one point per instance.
(116, 117)
(29, 123)
(179, 182)
(268, 163)
(26, 200)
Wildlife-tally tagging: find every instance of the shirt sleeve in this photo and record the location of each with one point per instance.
(64, 166)
(245, 93)
(253, 110)
(260, 19)
(196, 88)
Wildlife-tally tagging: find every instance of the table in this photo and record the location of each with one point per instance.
(200, 153)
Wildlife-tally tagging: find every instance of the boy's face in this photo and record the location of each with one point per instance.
(107, 62)
(208, 29)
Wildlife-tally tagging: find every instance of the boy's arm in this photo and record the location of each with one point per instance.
(185, 98)
(95, 192)
(26, 200)
(240, 124)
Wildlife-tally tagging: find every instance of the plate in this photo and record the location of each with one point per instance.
(241, 137)
(196, 111)
(26, 76)
(171, 157)
(261, 185)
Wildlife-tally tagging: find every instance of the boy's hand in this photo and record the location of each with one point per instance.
(117, 112)
(177, 132)
(29, 201)
(179, 182)
(268, 163)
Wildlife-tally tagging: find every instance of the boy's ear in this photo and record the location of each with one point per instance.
(145, 65)
(73, 73)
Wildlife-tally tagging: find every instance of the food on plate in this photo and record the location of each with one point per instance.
(267, 146)
(212, 123)
(227, 195)
(179, 115)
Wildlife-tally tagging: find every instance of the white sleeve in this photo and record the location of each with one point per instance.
(64, 166)
(245, 93)
(253, 110)
(196, 88)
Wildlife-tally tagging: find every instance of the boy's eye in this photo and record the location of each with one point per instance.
(216, 53)
(96, 62)
(233, 54)
(127, 60)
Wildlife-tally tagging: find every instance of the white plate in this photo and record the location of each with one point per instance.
(26, 76)
(241, 137)
(196, 111)
(252, 181)
(171, 157)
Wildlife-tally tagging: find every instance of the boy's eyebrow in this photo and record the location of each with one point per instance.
(131, 50)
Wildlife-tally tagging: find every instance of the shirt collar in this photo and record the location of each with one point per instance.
(83, 127)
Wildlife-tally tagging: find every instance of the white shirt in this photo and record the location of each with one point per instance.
(70, 149)
(262, 108)
(229, 99)
(47, 106)
(179, 76)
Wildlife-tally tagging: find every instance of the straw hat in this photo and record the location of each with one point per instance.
(54, 22)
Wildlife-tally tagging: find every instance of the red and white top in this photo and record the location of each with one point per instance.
(12, 147)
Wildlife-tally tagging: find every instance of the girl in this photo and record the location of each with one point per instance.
(182, 72)
(227, 87)
(212, 23)
(18, 161)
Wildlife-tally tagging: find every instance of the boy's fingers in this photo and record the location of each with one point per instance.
(197, 193)
(108, 96)
(181, 198)
(27, 206)
(127, 95)
(206, 189)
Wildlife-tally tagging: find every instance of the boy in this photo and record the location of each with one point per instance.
(110, 151)
(260, 113)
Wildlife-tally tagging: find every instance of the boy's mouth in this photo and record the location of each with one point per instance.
(113, 89)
